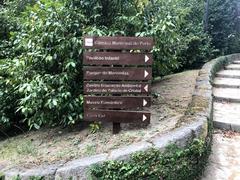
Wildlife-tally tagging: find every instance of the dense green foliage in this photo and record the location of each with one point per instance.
(224, 25)
(174, 163)
(41, 49)
(45, 71)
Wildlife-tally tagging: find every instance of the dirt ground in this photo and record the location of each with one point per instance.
(171, 96)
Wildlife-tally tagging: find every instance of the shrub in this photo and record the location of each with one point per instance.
(174, 163)
(224, 25)
(48, 67)
(195, 46)
(8, 95)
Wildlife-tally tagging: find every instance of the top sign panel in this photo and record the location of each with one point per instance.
(117, 58)
(118, 43)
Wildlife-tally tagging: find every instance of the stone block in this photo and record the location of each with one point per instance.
(48, 172)
(79, 169)
(180, 137)
(221, 125)
(235, 127)
(125, 152)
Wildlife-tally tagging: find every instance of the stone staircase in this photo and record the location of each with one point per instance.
(226, 93)
(224, 161)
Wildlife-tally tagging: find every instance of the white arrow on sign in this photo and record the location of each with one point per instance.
(146, 58)
(144, 117)
(144, 102)
(146, 88)
(145, 74)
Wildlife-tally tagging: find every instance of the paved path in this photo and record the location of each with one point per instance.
(224, 162)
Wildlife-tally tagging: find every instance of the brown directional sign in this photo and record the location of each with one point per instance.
(143, 43)
(117, 73)
(100, 73)
(116, 58)
(117, 116)
(116, 88)
(105, 102)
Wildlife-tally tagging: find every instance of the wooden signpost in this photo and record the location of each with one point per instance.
(118, 43)
(117, 78)
(116, 87)
(117, 58)
(117, 73)
(117, 102)
(117, 116)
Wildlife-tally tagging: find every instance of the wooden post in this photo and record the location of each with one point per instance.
(116, 128)
(206, 15)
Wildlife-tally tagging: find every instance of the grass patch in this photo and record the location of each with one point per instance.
(174, 163)
(11, 150)
(27, 148)
(90, 150)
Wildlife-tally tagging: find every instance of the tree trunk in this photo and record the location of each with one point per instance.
(206, 15)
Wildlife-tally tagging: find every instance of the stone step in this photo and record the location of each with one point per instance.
(226, 82)
(226, 116)
(228, 74)
(236, 62)
(233, 67)
(227, 94)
